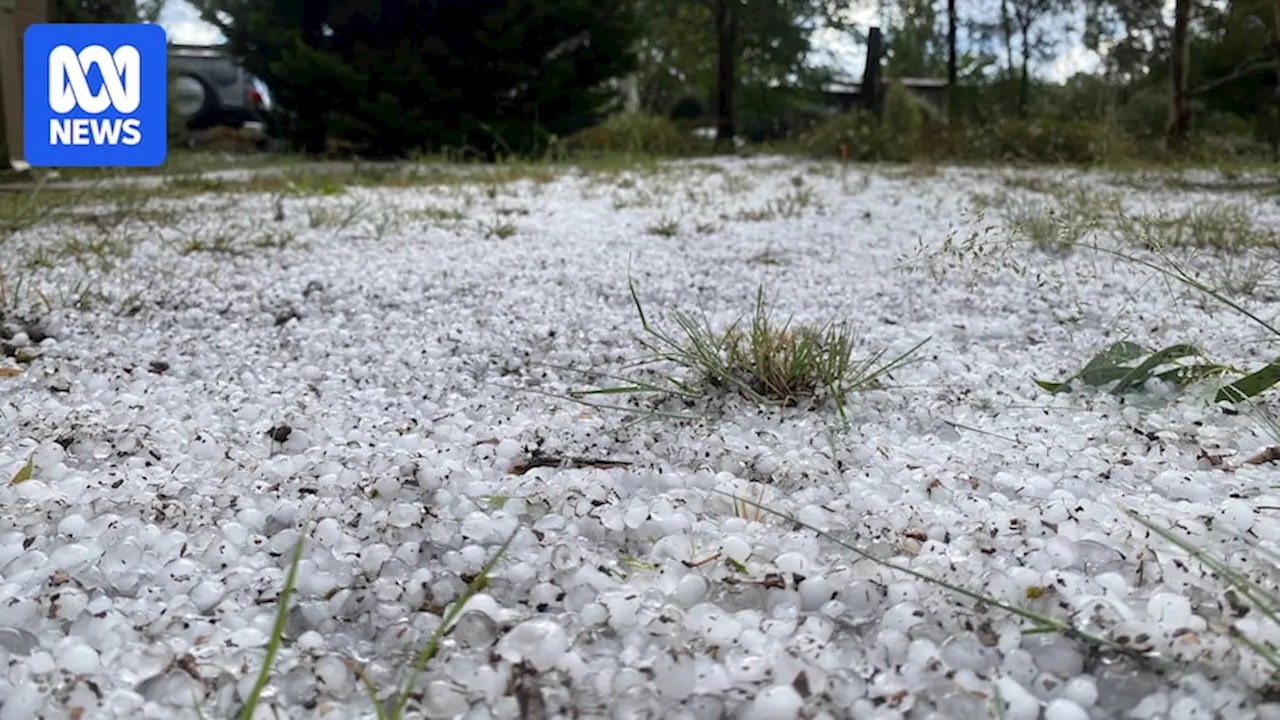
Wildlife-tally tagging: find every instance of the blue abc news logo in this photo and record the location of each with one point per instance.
(94, 95)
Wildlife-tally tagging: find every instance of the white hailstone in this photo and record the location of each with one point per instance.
(328, 532)
(1155, 705)
(75, 657)
(23, 703)
(310, 640)
(507, 449)
(1019, 703)
(248, 637)
(539, 642)
(690, 590)
(1081, 690)
(72, 525)
(673, 675)
(780, 702)
(593, 614)
(68, 603)
(386, 487)
(74, 556)
(736, 547)
(333, 676)
(903, 616)
(404, 515)
(1170, 610)
(814, 592)
(1064, 709)
(792, 562)
(477, 526)
(442, 699)
(1189, 708)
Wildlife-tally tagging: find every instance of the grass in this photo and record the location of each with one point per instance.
(759, 358)
(395, 705)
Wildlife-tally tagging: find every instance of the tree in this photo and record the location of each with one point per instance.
(93, 11)
(498, 77)
(1179, 77)
(1026, 17)
(915, 43)
(953, 70)
(1130, 35)
(745, 56)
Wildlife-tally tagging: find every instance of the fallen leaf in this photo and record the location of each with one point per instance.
(10, 372)
(24, 472)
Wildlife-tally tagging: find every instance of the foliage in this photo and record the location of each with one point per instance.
(93, 11)
(1118, 366)
(635, 133)
(496, 77)
(768, 362)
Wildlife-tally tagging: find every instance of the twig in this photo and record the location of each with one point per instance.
(569, 462)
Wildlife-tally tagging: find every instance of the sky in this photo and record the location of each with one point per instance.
(184, 26)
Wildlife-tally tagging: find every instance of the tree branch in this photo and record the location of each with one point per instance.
(1245, 68)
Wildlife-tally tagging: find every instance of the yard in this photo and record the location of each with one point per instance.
(392, 373)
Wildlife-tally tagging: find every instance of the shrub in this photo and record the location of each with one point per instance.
(688, 108)
(854, 129)
(1036, 140)
(637, 134)
(903, 118)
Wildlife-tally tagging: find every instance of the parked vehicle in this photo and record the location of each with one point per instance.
(209, 88)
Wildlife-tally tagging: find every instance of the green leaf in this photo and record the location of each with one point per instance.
(1252, 384)
(24, 472)
(1113, 356)
(1107, 366)
(1181, 377)
(1114, 365)
(1135, 378)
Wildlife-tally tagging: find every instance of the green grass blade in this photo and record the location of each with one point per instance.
(277, 632)
(433, 643)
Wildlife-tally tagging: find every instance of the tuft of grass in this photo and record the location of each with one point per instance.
(1222, 226)
(500, 229)
(766, 361)
(666, 227)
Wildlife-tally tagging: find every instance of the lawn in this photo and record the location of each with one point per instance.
(733, 438)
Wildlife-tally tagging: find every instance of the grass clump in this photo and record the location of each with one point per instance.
(761, 359)
(1221, 226)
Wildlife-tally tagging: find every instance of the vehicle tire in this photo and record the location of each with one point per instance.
(192, 98)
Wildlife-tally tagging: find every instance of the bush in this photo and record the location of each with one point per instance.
(636, 134)
(688, 108)
(496, 77)
(1034, 140)
(903, 117)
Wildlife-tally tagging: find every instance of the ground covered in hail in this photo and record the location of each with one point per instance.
(391, 370)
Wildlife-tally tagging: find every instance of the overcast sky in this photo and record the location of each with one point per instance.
(184, 26)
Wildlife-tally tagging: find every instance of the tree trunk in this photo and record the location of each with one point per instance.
(1179, 77)
(726, 59)
(1006, 27)
(871, 73)
(953, 105)
(1024, 82)
(1274, 110)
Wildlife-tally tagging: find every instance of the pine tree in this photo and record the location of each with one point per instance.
(495, 77)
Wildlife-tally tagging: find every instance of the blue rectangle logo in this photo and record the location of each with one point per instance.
(94, 95)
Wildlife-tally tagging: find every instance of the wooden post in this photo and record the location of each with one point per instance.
(871, 72)
(15, 17)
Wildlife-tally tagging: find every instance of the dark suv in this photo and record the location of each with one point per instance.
(209, 88)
